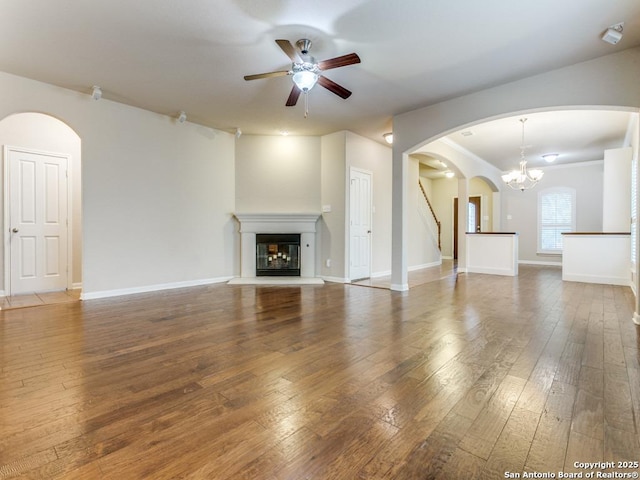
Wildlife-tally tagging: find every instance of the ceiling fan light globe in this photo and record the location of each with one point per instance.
(305, 80)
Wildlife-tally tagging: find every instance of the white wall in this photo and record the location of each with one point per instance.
(376, 158)
(423, 250)
(616, 193)
(157, 196)
(633, 140)
(520, 209)
(427, 184)
(276, 174)
(303, 174)
(332, 225)
(44, 133)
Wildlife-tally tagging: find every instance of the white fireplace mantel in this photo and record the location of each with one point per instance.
(253, 223)
(277, 222)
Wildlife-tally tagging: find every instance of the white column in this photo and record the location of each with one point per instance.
(307, 254)
(496, 220)
(636, 313)
(463, 220)
(247, 254)
(399, 227)
(616, 191)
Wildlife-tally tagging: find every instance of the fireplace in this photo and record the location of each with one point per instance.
(277, 254)
(279, 228)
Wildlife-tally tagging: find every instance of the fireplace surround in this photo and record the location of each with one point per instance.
(302, 224)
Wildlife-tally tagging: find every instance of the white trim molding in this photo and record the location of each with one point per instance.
(152, 288)
(424, 265)
(335, 279)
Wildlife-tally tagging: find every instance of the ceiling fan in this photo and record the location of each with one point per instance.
(307, 72)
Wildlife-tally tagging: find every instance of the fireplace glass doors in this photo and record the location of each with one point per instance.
(278, 254)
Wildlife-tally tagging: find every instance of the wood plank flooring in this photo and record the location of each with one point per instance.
(38, 299)
(469, 376)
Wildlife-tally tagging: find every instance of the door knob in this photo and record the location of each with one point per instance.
(15, 230)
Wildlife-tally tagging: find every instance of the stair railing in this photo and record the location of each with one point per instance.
(438, 224)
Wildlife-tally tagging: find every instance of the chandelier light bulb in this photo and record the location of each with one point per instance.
(522, 179)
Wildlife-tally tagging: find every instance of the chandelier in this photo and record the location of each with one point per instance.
(522, 179)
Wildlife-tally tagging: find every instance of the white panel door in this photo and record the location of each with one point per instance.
(37, 221)
(360, 227)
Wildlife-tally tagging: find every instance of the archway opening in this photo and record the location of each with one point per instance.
(41, 155)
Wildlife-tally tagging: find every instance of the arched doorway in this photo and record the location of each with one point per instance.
(481, 209)
(42, 161)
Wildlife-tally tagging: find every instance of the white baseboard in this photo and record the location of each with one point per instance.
(151, 288)
(396, 287)
(76, 286)
(3, 293)
(335, 279)
(537, 262)
(381, 274)
(572, 277)
(424, 265)
(492, 271)
(276, 281)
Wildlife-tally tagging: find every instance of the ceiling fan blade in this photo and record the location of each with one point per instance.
(336, 62)
(287, 48)
(266, 75)
(334, 87)
(293, 96)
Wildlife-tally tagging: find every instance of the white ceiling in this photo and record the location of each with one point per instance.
(167, 56)
(575, 135)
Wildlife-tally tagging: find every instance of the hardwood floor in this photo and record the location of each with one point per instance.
(447, 269)
(38, 299)
(470, 376)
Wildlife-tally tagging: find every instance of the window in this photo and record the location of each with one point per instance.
(556, 214)
(471, 217)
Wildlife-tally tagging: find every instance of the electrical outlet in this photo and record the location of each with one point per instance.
(328, 262)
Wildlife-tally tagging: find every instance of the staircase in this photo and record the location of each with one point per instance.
(432, 221)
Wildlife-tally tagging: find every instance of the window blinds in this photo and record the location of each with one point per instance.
(556, 216)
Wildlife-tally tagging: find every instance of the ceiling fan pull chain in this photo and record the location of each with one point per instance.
(306, 104)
